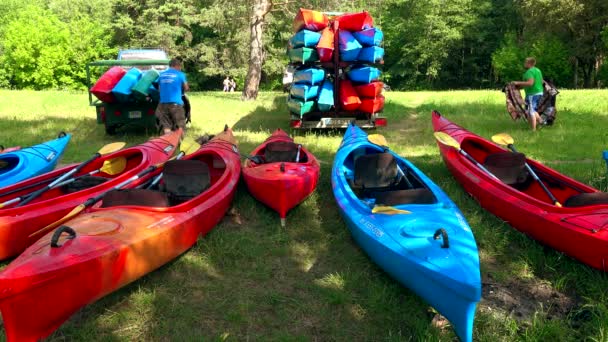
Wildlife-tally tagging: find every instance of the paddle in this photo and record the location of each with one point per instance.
(111, 167)
(506, 140)
(188, 146)
(109, 148)
(93, 200)
(447, 140)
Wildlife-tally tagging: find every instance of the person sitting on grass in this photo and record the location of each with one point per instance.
(172, 85)
(533, 86)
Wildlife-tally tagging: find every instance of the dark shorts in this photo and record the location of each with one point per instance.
(171, 115)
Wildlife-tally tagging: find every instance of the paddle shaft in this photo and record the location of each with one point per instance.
(160, 175)
(39, 192)
(536, 178)
(468, 156)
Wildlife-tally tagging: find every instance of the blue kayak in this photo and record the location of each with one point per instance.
(369, 37)
(305, 38)
(371, 54)
(309, 75)
(363, 74)
(122, 90)
(304, 91)
(326, 96)
(349, 47)
(409, 227)
(31, 161)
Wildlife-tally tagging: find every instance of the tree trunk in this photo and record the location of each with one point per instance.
(575, 73)
(256, 49)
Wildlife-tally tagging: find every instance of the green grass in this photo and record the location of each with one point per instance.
(310, 281)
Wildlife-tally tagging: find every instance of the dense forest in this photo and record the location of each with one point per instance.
(430, 44)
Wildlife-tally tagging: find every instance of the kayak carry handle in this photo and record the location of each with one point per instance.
(57, 235)
(61, 134)
(444, 235)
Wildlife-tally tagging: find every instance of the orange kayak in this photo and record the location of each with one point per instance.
(107, 248)
(325, 48)
(310, 20)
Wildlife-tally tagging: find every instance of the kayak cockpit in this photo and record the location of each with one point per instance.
(9, 163)
(280, 152)
(379, 178)
(181, 181)
(510, 168)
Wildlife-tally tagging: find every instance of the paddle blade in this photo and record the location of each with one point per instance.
(114, 166)
(386, 210)
(59, 222)
(113, 147)
(377, 139)
(446, 139)
(503, 139)
(189, 146)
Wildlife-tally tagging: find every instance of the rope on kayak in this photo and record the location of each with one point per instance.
(57, 235)
(444, 235)
(157, 145)
(39, 151)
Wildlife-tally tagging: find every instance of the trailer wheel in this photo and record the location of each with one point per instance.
(110, 130)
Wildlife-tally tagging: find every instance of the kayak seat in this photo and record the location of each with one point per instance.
(410, 196)
(82, 183)
(376, 171)
(139, 197)
(185, 179)
(587, 198)
(509, 167)
(282, 151)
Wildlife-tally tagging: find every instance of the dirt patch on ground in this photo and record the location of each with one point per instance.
(521, 298)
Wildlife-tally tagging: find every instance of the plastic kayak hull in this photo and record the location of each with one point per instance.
(102, 89)
(349, 47)
(143, 87)
(304, 92)
(9, 149)
(363, 74)
(281, 190)
(325, 102)
(310, 20)
(31, 161)
(372, 89)
(299, 107)
(370, 37)
(309, 75)
(122, 91)
(325, 48)
(371, 54)
(355, 22)
(17, 223)
(372, 105)
(579, 232)
(305, 38)
(303, 55)
(349, 100)
(403, 244)
(113, 247)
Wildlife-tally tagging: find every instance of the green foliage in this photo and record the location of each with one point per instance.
(507, 61)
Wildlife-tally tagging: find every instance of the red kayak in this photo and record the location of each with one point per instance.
(103, 87)
(371, 90)
(17, 223)
(355, 22)
(284, 177)
(372, 105)
(310, 20)
(325, 48)
(578, 229)
(131, 234)
(9, 149)
(349, 99)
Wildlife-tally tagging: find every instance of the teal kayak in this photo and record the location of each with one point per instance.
(32, 161)
(408, 226)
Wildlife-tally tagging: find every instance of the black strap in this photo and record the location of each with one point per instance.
(57, 235)
(444, 234)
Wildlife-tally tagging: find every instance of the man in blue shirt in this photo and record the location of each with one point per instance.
(172, 85)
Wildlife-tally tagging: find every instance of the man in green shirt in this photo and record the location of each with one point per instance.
(533, 86)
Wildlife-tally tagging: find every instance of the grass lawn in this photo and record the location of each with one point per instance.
(251, 280)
